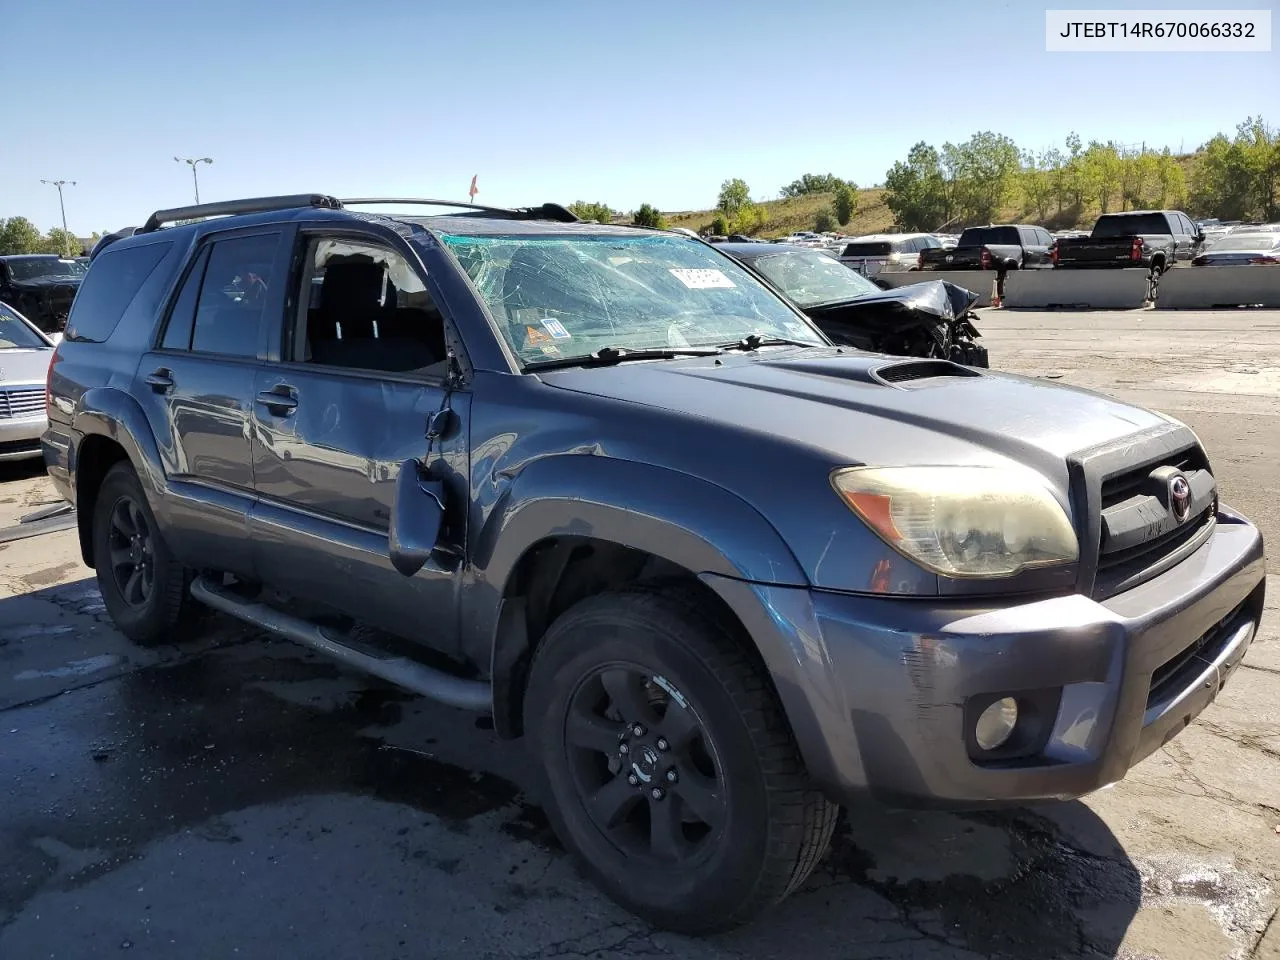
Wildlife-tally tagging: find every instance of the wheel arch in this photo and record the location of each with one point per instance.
(573, 526)
(108, 427)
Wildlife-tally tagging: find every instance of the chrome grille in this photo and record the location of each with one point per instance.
(16, 402)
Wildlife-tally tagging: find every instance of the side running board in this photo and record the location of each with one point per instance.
(434, 684)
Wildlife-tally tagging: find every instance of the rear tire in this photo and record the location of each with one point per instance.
(144, 589)
(638, 691)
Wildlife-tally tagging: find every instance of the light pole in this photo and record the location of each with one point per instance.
(60, 184)
(194, 162)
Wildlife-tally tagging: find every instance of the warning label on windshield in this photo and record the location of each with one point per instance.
(696, 279)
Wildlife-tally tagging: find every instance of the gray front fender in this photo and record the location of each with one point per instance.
(682, 519)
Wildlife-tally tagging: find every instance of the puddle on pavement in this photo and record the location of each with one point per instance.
(76, 668)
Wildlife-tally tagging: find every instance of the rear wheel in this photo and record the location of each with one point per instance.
(1153, 282)
(671, 772)
(143, 587)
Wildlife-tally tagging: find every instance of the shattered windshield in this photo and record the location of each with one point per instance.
(564, 296)
(811, 278)
(34, 268)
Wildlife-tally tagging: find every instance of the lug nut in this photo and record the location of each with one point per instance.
(637, 730)
(663, 745)
(657, 793)
(633, 779)
(672, 776)
(623, 749)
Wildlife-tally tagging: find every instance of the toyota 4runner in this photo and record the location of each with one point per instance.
(605, 485)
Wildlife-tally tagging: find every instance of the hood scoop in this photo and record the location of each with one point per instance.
(908, 371)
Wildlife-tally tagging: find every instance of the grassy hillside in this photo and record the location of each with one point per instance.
(786, 216)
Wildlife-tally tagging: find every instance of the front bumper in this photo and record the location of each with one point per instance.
(880, 692)
(20, 437)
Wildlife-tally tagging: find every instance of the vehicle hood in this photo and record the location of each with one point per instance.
(22, 365)
(835, 405)
(939, 298)
(45, 283)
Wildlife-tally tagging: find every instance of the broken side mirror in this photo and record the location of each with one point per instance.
(416, 517)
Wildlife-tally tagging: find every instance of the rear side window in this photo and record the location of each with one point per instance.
(867, 250)
(233, 294)
(177, 333)
(109, 287)
(1130, 224)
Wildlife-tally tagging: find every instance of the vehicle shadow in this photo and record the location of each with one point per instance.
(143, 744)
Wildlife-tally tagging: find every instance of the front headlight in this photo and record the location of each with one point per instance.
(962, 521)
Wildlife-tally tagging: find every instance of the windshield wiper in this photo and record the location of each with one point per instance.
(754, 341)
(608, 356)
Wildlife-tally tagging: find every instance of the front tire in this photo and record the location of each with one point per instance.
(144, 589)
(670, 770)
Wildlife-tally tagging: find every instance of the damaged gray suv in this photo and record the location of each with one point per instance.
(607, 486)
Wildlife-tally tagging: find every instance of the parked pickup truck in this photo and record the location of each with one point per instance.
(607, 487)
(1156, 239)
(996, 247)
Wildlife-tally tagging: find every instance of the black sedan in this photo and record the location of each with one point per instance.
(929, 319)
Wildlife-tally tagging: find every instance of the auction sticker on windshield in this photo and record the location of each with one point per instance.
(701, 279)
(555, 328)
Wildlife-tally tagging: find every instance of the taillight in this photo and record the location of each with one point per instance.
(1135, 251)
(1053, 254)
(1265, 260)
(920, 260)
(985, 262)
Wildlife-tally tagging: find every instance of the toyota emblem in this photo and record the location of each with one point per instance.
(1180, 497)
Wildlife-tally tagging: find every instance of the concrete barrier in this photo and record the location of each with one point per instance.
(1203, 288)
(981, 282)
(1115, 289)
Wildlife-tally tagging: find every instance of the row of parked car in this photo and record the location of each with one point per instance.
(1152, 239)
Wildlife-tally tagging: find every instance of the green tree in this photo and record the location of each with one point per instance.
(824, 222)
(59, 241)
(983, 173)
(734, 195)
(648, 216)
(846, 203)
(749, 219)
(1076, 177)
(1137, 178)
(19, 235)
(1171, 183)
(915, 191)
(1104, 173)
(599, 212)
(1054, 163)
(813, 183)
(1037, 183)
(719, 226)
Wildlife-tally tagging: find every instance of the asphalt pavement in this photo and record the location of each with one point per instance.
(233, 795)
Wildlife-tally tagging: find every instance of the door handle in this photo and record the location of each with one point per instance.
(280, 401)
(160, 381)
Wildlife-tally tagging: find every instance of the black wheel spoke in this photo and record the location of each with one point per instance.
(703, 796)
(119, 557)
(133, 587)
(666, 835)
(139, 522)
(148, 577)
(623, 687)
(610, 804)
(679, 726)
(585, 729)
(122, 520)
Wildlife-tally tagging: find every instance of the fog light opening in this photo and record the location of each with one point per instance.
(996, 724)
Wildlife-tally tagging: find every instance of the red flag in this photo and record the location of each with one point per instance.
(473, 190)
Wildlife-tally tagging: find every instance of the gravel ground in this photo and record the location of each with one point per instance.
(235, 796)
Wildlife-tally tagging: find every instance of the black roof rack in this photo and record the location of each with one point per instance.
(547, 211)
(233, 207)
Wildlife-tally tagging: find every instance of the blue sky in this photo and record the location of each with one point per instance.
(556, 99)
